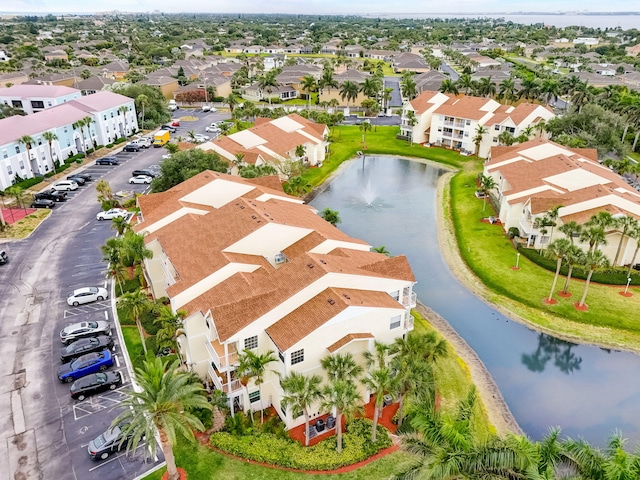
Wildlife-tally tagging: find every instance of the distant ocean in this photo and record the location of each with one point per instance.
(625, 22)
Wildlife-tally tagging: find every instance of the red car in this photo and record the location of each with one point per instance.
(175, 123)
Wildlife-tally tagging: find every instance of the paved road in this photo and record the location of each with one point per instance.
(396, 97)
(447, 69)
(43, 432)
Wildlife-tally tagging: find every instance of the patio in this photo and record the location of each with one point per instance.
(384, 420)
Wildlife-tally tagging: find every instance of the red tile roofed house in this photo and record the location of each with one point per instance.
(274, 141)
(257, 269)
(452, 120)
(539, 175)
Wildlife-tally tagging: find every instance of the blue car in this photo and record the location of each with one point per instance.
(84, 365)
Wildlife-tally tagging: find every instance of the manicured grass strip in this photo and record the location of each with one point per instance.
(202, 463)
(611, 318)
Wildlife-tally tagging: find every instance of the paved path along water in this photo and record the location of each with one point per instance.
(586, 390)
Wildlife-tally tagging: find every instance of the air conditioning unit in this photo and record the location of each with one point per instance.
(280, 258)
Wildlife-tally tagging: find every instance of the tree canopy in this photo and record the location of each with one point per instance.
(184, 165)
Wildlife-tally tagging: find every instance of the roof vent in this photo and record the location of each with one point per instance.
(253, 216)
(242, 207)
(346, 296)
(280, 258)
(323, 262)
(310, 265)
(331, 301)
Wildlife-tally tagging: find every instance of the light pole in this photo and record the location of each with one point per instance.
(626, 290)
(517, 265)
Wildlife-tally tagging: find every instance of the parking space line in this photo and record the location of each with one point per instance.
(124, 453)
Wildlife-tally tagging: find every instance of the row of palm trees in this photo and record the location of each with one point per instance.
(402, 369)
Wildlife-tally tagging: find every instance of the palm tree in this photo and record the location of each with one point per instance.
(486, 87)
(477, 140)
(232, 101)
(143, 101)
(327, 81)
(412, 120)
(408, 88)
(635, 234)
(573, 256)
(308, 84)
(164, 405)
(540, 127)
(331, 216)
(370, 87)
(121, 225)
(267, 82)
(614, 463)
(597, 227)
(381, 249)
(134, 249)
(550, 89)
(133, 306)
(413, 357)
(571, 229)
(342, 395)
(27, 141)
(300, 393)
(86, 122)
(170, 326)
(254, 366)
(349, 90)
(123, 110)
(364, 127)
(381, 382)
(486, 184)
(506, 138)
(627, 224)
(593, 260)
(50, 137)
(558, 249)
(341, 366)
(465, 82)
(449, 86)
(507, 89)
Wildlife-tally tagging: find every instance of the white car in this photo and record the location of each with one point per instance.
(166, 156)
(65, 185)
(140, 179)
(87, 295)
(200, 138)
(213, 128)
(111, 214)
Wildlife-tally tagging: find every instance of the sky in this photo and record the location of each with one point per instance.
(360, 7)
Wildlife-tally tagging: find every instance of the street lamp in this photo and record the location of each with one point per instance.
(626, 290)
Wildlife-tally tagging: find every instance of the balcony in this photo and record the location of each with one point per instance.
(408, 322)
(526, 228)
(409, 300)
(217, 379)
(216, 352)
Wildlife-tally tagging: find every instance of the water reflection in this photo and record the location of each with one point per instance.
(552, 348)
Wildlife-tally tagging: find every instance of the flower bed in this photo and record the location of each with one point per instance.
(284, 452)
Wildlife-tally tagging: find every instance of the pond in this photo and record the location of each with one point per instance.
(546, 382)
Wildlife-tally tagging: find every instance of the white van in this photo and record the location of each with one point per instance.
(173, 105)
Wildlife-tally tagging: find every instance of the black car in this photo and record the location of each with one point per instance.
(42, 203)
(108, 442)
(79, 180)
(52, 195)
(86, 176)
(147, 173)
(170, 128)
(95, 383)
(107, 161)
(4, 258)
(131, 148)
(85, 345)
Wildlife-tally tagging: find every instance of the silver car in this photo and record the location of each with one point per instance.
(84, 329)
(87, 295)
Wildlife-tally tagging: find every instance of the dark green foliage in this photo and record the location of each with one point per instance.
(184, 165)
(155, 110)
(610, 276)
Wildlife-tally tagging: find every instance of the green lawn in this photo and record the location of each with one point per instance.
(488, 252)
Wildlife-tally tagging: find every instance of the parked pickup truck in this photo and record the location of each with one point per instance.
(143, 142)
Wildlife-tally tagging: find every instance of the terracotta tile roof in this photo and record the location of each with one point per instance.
(348, 339)
(423, 101)
(314, 313)
(464, 107)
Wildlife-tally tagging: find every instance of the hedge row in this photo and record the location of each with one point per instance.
(284, 452)
(611, 276)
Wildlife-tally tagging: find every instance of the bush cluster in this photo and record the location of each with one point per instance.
(284, 452)
(610, 276)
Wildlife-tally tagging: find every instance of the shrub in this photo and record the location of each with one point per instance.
(130, 202)
(29, 182)
(205, 416)
(514, 232)
(284, 452)
(110, 145)
(119, 140)
(611, 276)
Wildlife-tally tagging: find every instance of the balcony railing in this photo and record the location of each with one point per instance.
(525, 227)
(409, 300)
(225, 387)
(216, 352)
(408, 322)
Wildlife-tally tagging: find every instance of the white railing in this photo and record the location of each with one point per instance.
(221, 362)
(408, 322)
(409, 300)
(225, 387)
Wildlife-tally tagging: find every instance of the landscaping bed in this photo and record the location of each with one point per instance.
(281, 451)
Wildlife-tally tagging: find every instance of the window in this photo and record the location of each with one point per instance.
(395, 322)
(17, 148)
(9, 171)
(281, 356)
(297, 356)
(251, 343)
(5, 154)
(111, 114)
(496, 127)
(16, 103)
(21, 164)
(466, 134)
(49, 104)
(395, 295)
(254, 396)
(37, 104)
(467, 122)
(65, 129)
(495, 139)
(104, 117)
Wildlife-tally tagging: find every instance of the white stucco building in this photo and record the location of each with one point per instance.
(113, 116)
(257, 269)
(452, 121)
(35, 98)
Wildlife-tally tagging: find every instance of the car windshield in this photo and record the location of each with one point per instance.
(92, 324)
(101, 377)
(100, 441)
